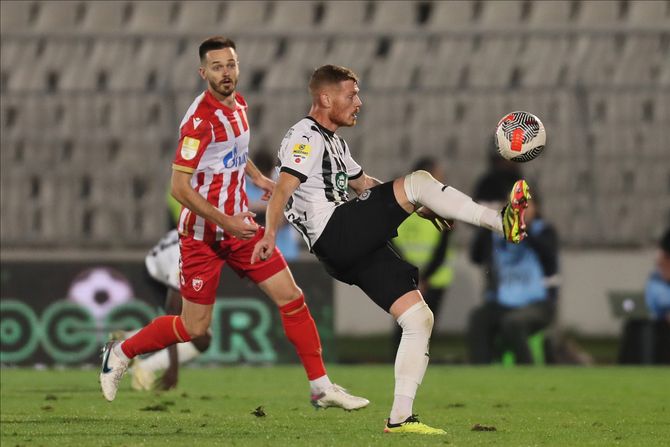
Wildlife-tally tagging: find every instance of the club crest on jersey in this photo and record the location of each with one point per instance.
(301, 152)
(189, 148)
(365, 195)
(232, 159)
(341, 181)
(197, 284)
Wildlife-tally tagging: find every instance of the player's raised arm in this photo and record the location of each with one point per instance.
(286, 185)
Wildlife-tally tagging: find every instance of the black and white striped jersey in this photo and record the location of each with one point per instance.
(322, 162)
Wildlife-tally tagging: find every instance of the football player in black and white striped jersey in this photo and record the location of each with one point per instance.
(351, 238)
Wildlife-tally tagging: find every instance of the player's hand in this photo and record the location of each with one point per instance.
(168, 380)
(440, 223)
(239, 226)
(263, 249)
(267, 185)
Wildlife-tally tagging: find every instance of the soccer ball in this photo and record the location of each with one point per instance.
(520, 136)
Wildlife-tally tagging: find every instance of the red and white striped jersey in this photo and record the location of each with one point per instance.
(213, 146)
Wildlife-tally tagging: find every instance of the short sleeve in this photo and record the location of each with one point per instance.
(354, 170)
(301, 153)
(195, 136)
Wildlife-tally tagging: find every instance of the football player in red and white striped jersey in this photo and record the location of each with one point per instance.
(216, 228)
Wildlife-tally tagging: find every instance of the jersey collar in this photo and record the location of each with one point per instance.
(323, 129)
(218, 104)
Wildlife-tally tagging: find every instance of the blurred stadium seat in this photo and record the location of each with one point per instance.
(152, 17)
(449, 15)
(558, 12)
(200, 16)
(293, 15)
(17, 15)
(106, 16)
(391, 16)
(59, 16)
(114, 79)
(245, 16)
(507, 13)
(345, 15)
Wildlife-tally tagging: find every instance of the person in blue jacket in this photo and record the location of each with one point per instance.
(521, 290)
(648, 340)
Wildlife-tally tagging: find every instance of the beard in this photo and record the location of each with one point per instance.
(344, 120)
(222, 89)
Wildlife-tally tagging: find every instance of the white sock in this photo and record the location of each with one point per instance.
(318, 386)
(448, 202)
(161, 359)
(412, 359)
(117, 348)
(402, 408)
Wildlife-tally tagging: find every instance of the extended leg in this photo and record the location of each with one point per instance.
(420, 188)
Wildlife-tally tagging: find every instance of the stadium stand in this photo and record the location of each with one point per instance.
(106, 16)
(87, 134)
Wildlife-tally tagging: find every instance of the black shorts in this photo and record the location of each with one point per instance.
(354, 247)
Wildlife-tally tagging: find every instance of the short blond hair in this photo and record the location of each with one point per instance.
(329, 75)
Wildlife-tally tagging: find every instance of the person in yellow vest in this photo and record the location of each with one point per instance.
(421, 244)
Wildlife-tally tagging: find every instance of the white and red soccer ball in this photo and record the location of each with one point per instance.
(520, 136)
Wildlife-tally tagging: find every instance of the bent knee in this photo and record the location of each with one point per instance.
(420, 318)
(422, 174)
(288, 297)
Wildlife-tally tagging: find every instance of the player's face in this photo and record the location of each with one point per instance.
(345, 104)
(221, 70)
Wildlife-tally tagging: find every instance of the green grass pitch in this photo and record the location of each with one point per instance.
(213, 406)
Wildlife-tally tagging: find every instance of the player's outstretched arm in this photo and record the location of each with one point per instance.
(236, 225)
(286, 184)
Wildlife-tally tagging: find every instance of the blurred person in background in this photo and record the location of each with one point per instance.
(352, 238)
(423, 245)
(651, 335)
(216, 228)
(521, 289)
(500, 176)
(288, 240)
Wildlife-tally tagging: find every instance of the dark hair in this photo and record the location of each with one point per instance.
(328, 75)
(214, 43)
(665, 241)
